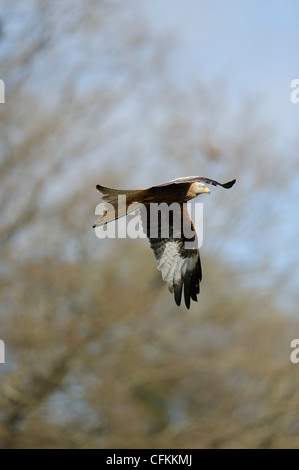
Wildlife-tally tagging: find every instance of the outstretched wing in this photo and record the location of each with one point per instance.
(180, 266)
(227, 185)
(203, 179)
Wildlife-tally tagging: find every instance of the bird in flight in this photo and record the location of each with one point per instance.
(180, 266)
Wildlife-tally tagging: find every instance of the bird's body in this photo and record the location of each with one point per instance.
(180, 266)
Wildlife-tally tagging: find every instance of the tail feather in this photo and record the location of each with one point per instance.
(116, 202)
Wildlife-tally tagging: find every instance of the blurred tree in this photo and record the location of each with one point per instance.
(97, 355)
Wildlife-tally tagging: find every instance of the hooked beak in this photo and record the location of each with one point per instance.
(206, 190)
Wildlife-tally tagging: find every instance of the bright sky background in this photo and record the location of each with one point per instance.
(249, 47)
(251, 44)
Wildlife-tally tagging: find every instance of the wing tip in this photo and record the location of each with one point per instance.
(229, 184)
(178, 293)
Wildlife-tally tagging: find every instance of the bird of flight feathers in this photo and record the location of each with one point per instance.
(180, 266)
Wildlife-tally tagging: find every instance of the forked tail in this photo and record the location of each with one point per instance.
(117, 203)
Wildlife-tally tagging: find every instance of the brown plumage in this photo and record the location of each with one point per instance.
(180, 266)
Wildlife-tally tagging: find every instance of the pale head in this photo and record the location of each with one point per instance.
(200, 188)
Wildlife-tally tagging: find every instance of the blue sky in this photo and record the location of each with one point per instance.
(250, 45)
(250, 48)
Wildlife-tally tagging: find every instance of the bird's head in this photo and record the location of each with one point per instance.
(201, 188)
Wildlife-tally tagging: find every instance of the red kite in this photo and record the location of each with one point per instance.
(180, 266)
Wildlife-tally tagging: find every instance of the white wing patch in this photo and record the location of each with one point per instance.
(180, 267)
